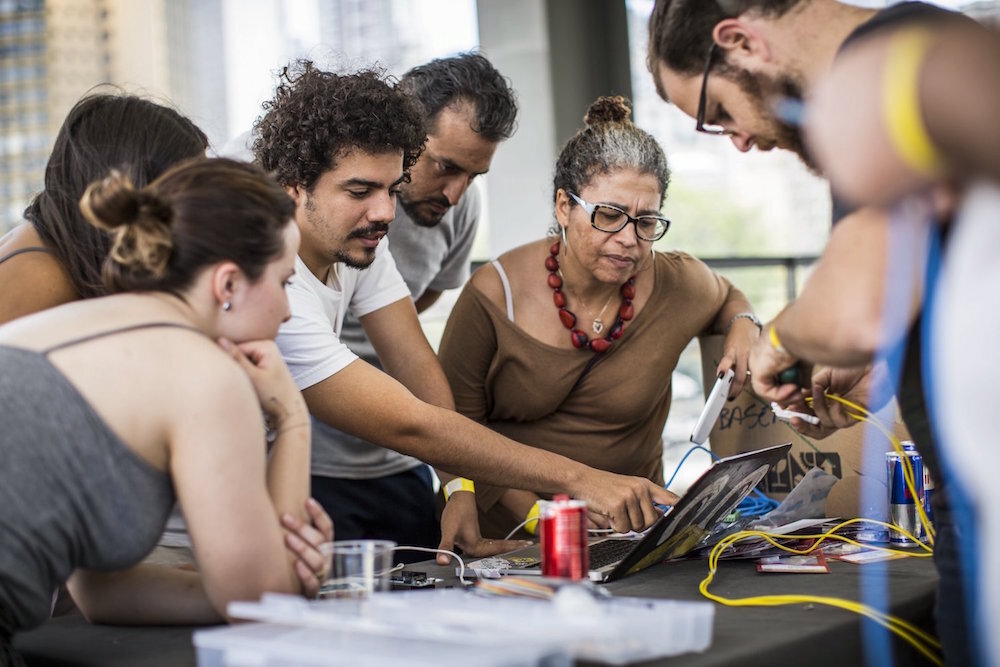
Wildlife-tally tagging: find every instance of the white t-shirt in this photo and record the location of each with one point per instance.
(310, 342)
(434, 258)
(427, 257)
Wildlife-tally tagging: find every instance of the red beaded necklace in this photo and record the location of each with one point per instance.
(568, 319)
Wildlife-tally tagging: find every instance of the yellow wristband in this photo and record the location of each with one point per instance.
(458, 484)
(531, 520)
(901, 102)
(772, 335)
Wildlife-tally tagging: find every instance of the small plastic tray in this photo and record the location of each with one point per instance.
(444, 627)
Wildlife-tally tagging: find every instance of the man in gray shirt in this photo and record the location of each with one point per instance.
(371, 491)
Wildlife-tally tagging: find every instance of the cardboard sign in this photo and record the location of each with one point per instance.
(854, 456)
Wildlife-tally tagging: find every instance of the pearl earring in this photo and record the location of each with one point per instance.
(227, 306)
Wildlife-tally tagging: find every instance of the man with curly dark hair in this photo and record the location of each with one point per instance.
(469, 108)
(342, 146)
(305, 134)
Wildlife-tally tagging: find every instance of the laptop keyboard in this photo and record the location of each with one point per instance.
(609, 551)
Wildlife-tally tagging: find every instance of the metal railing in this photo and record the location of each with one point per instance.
(791, 265)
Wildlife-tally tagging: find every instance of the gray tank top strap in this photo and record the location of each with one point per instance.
(19, 251)
(112, 332)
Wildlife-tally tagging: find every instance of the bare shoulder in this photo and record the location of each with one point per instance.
(210, 396)
(30, 281)
(520, 266)
(487, 281)
(198, 363)
(189, 370)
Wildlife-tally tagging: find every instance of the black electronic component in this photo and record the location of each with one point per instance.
(799, 375)
(412, 579)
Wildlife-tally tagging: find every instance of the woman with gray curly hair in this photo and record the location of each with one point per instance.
(569, 342)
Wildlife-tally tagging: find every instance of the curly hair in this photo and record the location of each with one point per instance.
(135, 136)
(609, 142)
(317, 117)
(200, 212)
(467, 77)
(680, 31)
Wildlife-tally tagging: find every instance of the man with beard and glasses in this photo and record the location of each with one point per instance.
(469, 108)
(741, 68)
(342, 146)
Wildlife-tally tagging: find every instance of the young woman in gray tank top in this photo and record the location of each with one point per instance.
(115, 405)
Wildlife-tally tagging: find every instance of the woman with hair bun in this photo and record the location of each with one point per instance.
(569, 342)
(55, 256)
(115, 406)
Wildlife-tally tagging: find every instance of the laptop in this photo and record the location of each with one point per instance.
(684, 526)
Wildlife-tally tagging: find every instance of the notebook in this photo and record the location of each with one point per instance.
(682, 528)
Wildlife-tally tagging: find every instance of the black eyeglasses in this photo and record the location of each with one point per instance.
(700, 125)
(611, 219)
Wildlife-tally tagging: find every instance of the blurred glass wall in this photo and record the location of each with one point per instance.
(215, 60)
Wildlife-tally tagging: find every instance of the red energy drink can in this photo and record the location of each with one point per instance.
(564, 538)
(903, 504)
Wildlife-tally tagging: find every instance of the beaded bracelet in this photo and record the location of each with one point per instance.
(745, 316)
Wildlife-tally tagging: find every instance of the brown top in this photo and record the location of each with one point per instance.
(613, 420)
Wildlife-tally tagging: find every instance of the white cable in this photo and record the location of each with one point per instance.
(519, 527)
(461, 563)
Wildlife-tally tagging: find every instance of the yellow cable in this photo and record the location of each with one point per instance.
(922, 641)
(925, 643)
(713, 562)
(863, 415)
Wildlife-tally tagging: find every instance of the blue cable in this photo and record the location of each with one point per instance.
(756, 504)
(760, 505)
(684, 458)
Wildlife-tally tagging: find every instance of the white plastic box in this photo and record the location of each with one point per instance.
(274, 645)
(453, 627)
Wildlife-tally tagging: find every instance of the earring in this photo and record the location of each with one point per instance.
(227, 306)
(562, 230)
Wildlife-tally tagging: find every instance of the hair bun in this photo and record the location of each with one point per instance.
(139, 219)
(608, 109)
(111, 202)
(154, 208)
